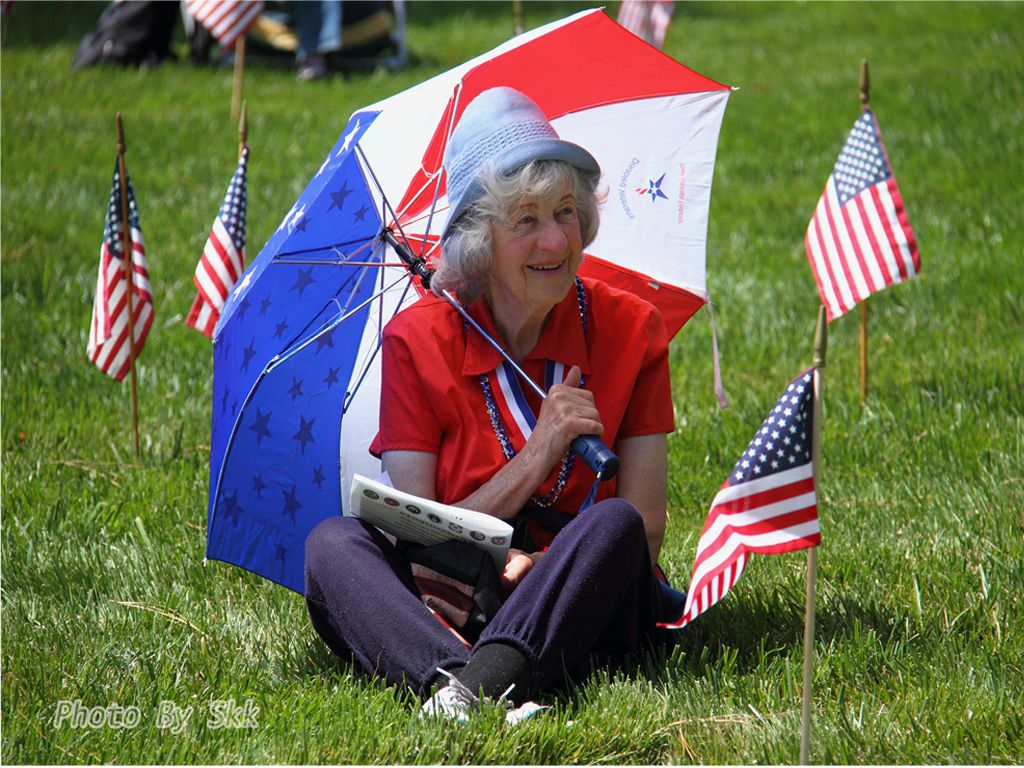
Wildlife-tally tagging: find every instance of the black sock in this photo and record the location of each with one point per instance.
(493, 668)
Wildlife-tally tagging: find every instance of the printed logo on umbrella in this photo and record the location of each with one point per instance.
(654, 189)
(662, 187)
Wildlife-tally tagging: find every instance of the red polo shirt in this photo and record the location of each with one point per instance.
(432, 399)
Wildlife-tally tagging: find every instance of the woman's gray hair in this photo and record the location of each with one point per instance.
(467, 250)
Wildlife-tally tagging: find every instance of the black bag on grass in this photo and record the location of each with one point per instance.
(129, 33)
(458, 582)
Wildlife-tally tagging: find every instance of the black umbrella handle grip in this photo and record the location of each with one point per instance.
(598, 456)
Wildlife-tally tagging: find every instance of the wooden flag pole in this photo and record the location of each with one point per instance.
(865, 94)
(243, 130)
(820, 348)
(128, 262)
(236, 88)
(517, 9)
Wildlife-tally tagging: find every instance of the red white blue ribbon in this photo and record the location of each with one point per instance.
(511, 400)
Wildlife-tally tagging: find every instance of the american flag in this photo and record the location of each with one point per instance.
(859, 240)
(767, 505)
(227, 20)
(223, 259)
(109, 346)
(647, 19)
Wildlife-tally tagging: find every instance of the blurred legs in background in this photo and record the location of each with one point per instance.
(319, 27)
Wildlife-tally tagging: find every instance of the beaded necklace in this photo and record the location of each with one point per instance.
(499, 427)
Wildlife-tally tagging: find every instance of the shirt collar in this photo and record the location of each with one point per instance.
(562, 339)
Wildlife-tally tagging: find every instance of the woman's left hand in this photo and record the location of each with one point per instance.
(517, 565)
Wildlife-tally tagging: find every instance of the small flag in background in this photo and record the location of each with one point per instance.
(109, 346)
(859, 240)
(223, 259)
(647, 19)
(227, 20)
(768, 504)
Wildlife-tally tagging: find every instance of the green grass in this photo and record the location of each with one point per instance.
(919, 649)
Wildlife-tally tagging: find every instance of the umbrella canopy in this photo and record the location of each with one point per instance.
(296, 370)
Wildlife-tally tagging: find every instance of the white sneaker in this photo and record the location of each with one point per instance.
(524, 712)
(455, 701)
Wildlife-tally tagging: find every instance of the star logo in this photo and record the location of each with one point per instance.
(654, 189)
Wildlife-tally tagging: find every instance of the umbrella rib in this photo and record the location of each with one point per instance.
(433, 178)
(334, 247)
(383, 197)
(342, 317)
(366, 366)
(437, 185)
(352, 294)
(392, 264)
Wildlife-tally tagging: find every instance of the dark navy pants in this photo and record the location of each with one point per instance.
(593, 591)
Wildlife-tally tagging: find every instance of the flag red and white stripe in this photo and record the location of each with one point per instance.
(227, 20)
(223, 259)
(647, 19)
(109, 346)
(859, 240)
(768, 504)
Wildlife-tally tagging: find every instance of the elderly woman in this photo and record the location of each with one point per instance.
(456, 426)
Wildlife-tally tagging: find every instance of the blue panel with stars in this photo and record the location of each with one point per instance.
(284, 353)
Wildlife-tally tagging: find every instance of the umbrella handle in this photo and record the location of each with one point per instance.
(598, 456)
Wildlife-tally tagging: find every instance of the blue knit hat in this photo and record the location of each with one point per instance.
(504, 127)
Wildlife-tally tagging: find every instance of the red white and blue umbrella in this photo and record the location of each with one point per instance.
(296, 363)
